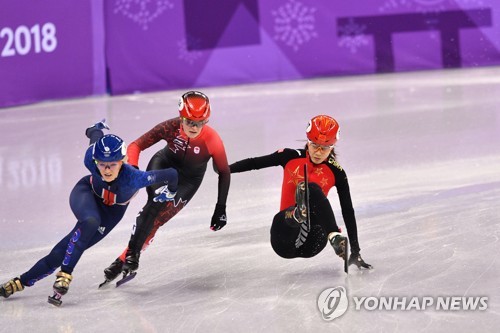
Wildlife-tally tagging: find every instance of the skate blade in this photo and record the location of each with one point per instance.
(55, 299)
(346, 257)
(105, 283)
(126, 278)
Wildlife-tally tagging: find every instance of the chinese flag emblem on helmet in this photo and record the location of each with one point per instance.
(195, 106)
(323, 130)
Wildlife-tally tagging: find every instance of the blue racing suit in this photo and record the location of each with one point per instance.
(98, 207)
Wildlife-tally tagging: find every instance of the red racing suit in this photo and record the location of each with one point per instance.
(190, 158)
(323, 177)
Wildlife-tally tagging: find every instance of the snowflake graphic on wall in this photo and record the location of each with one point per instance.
(426, 6)
(142, 12)
(352, 36)
(294, 24)
(186, 55)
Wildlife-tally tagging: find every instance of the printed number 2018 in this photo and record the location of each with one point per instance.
(22, 40)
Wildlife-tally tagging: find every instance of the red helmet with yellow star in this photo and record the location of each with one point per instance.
(323, 130)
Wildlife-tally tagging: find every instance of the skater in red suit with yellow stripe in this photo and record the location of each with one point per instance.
(291, 236)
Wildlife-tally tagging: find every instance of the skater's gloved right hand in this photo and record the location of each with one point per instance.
(219, 219)
(164, 194)
(355, 259)
(97, 126)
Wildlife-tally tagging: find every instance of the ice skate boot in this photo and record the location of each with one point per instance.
(11, 287)
(129, 267)
(62, 282)
(131, 261)
(112, 271)
(61, 287)
(300, 212)
(340, 245)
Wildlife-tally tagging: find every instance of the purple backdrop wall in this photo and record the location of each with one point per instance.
(50, 49)
(173, 44)
(168, 44)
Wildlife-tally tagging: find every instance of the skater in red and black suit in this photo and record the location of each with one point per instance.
(291, 234)
(190, 144)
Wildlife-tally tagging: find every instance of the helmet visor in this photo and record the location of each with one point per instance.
(192, 123)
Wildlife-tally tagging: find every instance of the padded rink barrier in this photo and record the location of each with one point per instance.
(57, 49)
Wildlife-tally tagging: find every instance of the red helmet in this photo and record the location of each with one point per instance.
(323, 130)
(195, 106)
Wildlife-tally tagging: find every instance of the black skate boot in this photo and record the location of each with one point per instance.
(129, 267)
(112, 271)
(11, 287)
(300, 212)
(131, 261)
(340, 245)
(60, 287)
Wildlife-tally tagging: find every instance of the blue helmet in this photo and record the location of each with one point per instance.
(109, 148)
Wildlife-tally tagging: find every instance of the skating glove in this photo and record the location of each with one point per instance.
(98, 126)
(355, 259)
(164, 194)
(219, 219)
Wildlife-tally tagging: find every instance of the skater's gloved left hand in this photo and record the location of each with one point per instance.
(355, 259)
(219, 219)
(98, 126)
(164, 194)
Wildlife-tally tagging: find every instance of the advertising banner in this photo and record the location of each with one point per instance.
(169, 44)
(50, 49)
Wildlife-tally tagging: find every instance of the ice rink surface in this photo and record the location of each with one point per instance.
(422, 152)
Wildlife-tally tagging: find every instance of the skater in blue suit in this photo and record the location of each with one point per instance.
(98, 201)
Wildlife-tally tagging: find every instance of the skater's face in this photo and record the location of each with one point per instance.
(318, 153)
(192, 128)
(109, 170)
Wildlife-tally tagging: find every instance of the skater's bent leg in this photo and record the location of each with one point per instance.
(144, 224)
(284, 233)
(324, 214)
(315, 243)
(321, 208)
(150, 219)
(151, 236)
(83, 233)
(145, 245)
(88, 212)
(47, 265)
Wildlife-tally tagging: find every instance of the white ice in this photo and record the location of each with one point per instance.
(422, 152)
